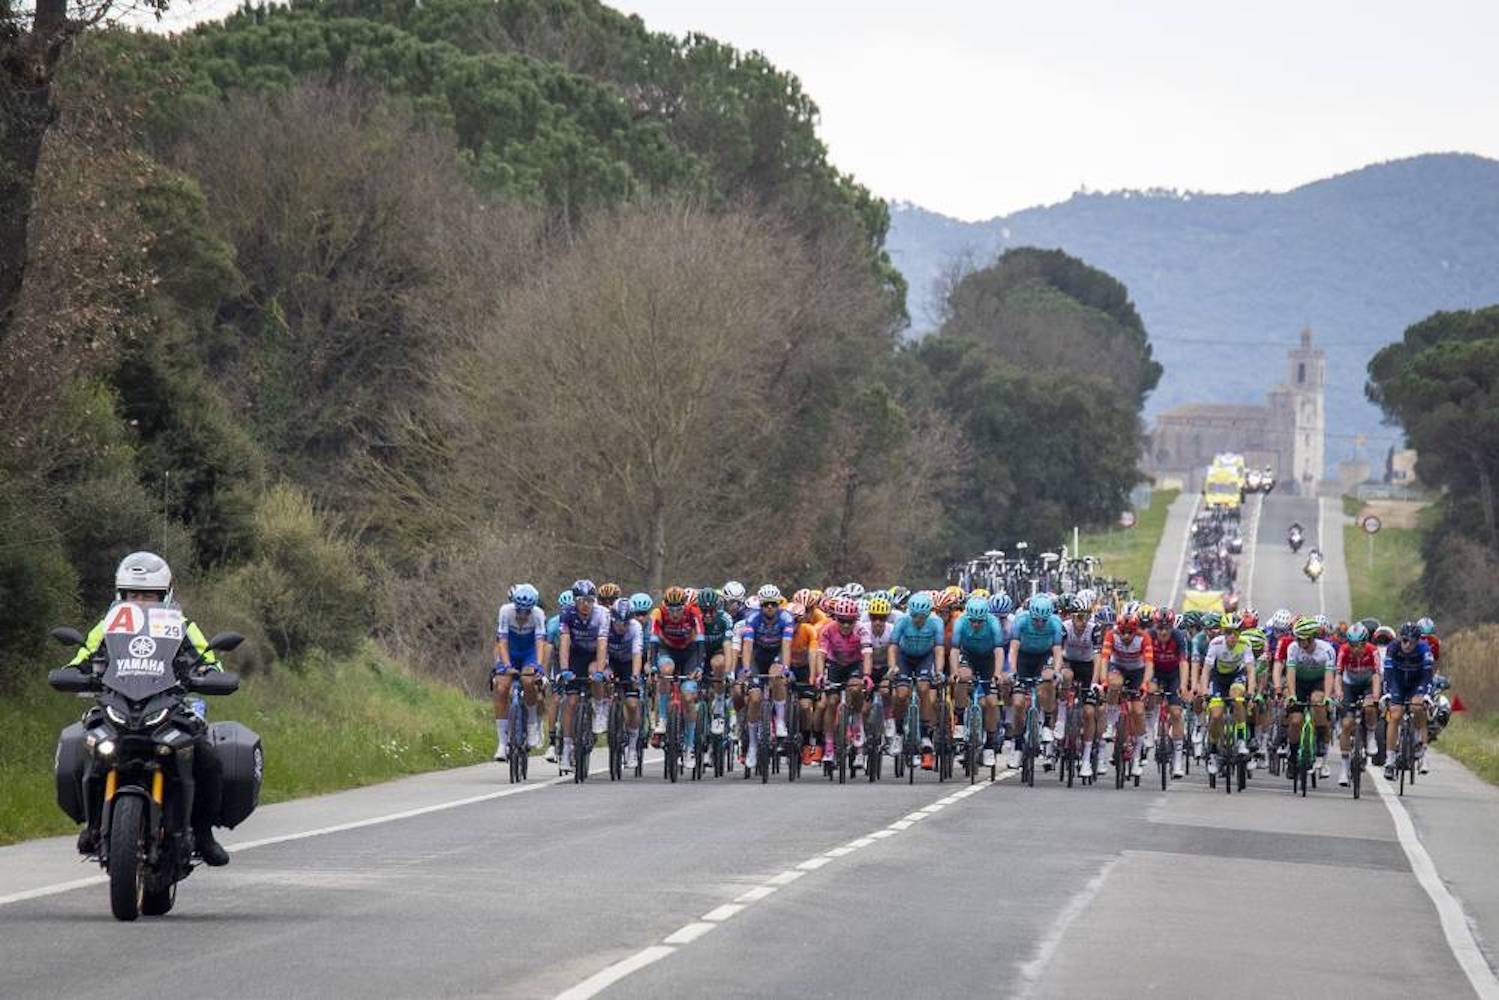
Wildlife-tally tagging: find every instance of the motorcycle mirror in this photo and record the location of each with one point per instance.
(214, 682)
(67, 636)
(68, 679)
(225, 642)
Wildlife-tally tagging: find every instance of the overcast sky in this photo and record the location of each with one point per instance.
(980, 107)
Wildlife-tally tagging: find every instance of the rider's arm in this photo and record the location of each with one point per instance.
(1014, 654)
(1147, 654)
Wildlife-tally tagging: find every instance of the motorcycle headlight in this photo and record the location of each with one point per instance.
(114, 715)
(154, 719)
(106, 748)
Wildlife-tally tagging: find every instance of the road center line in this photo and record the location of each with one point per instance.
(1032, 971)
(1455, 927)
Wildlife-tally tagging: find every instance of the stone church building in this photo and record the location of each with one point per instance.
(1287, 434)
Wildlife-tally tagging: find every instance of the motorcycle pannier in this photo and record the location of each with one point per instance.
(243, 762)
(68, 765)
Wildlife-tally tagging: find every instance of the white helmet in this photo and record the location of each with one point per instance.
(733, 591)
(1281, 620)
(853, 590)
(1087, 598)
(143, 571)
(769, 592)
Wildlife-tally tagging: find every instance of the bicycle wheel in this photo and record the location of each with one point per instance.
(841, 742)
(911, 744)
(1120, 739)
(874, 739)
(616, 738)
(766, 739)
(974, 731)
(672, 744)
(1356, 767)
(582, 737)
(1032, 745)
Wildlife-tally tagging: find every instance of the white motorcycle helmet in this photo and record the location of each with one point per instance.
(143, 572)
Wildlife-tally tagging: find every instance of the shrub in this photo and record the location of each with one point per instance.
(1468, 658)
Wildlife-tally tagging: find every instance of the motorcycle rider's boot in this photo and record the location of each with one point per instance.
(88, 841)
(210, 850)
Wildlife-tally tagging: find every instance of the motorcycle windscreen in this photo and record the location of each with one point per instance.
(141, 642)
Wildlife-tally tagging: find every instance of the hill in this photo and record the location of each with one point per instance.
(1357, 257)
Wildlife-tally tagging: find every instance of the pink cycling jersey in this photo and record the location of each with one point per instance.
(844, 649)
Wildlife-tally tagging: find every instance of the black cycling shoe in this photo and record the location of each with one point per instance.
(88, 841)
(210, 850)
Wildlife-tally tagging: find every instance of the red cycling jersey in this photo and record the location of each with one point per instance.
(681, 632)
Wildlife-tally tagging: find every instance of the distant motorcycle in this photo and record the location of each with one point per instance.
(1295, 538)
(1313, 567)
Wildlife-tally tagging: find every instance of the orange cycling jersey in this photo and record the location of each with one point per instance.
(802, 641)
(1127, 653)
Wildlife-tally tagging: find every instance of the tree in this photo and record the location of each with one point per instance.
(32, 44)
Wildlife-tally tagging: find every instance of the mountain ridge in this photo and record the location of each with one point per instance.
(1357, 257)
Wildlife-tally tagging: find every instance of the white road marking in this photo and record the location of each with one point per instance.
(724, 912)
(756, 894)
(1181, 561)
(1254, 535)
(689, 933)
(1455, 927)
(603, 979)
(1031, 972)
(914, 817)
(1322, 547)
(59, 887)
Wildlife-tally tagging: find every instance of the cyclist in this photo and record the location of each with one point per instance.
(882, 618)
(1408, 669)
(1227, 676)
(1310, 663)
(1082, 637)
(765, 649)
(845, 662)
(718, 650)
(1429, 636)
(624, 645)
(733, 601)
(520, 638)
(554, 668)
(677, 652)
(915, 651)
(1035, 644)
(1260, 716)
(803, 677)
(1129, 653)
(583, 628)
(1169, 665)
(1357, 686)
(977, 653)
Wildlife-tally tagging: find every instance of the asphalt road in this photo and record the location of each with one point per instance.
(457, 884)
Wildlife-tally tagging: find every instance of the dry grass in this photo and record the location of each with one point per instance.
(1468, 657)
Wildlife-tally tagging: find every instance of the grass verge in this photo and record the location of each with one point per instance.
(1128, 552)
(1473, 741)
(1383, 591)
(327, 723)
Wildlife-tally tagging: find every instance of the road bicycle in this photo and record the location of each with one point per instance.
(1358, 754)
(583, 736)
(1070, 753)
(1406, 747)
(1302, 760)
(1126, 755)
(874, 736)
(1163, 741)
(942, 742)
(906, 762)
(1030, 730)
(517, 746)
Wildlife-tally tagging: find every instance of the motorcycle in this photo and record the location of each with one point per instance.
(139, 736)
(1313, 567)
(1295, 538)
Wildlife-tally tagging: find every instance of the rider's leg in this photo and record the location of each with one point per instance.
(778, 696)
(1046, 695)
(1320, 721)
(962, 689)
(1111, 698)
(663, 692)
(501, 683)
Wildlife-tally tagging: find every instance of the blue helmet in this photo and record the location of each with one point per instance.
(977, 608)
(524, 596)
(641, 603)
(584, 588)
(622, 610)
(1105, 614)
(565, 599)
(920, 604)
(1001, 604)
(1042, 607)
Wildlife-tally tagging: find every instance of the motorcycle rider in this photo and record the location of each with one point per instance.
(1313, 567)
(1294, 535)
(145, 578)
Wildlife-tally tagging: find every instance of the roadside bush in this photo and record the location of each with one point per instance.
(304, 585)
(1468, 658)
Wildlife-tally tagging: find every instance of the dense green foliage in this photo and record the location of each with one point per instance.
(1356, 257)
(1441, 384)
(1042, 365)
(360, 311)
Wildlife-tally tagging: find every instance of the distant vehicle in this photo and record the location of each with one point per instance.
(1295, 537)
(1223, 489)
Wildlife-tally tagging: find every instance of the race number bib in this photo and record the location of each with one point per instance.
(166, 623)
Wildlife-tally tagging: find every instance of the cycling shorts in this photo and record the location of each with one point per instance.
(1220, 685)
(1028, 666)
(982, 664)
(839, 674)
(1082, 671)
(1134, 679)
(624, 675)
(802, 675)
(1401, 686)
(1355, 691)
(1170, 686)
(684, 662)
(1303, 689)
(920, 668)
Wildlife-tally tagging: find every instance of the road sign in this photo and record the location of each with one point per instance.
(1127, 519)
(1371, 524)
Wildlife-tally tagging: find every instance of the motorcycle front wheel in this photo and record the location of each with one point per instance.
(127, 871)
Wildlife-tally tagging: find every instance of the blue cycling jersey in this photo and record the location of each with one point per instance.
(767, 633)
(978, 637)
(554, 630)
(918, 639)
(1037, 638)
(1408, 673)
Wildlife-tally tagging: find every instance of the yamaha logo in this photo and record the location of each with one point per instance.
(142, 646)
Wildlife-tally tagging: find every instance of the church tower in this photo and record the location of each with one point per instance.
(1306, 382)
